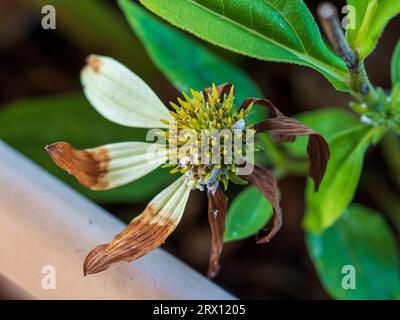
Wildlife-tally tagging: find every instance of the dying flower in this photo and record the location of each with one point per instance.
(122, 97)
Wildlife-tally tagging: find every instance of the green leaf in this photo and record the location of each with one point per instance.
(371, 18)
(184, 61)
(272, 30)
(328, 121)
(396, 65)
(29, 125)
(248, 213)
(324, 207)
(361, 238)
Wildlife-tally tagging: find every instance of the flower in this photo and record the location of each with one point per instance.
(122, 97)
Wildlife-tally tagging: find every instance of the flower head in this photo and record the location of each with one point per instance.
(204, 138)
(207, 138)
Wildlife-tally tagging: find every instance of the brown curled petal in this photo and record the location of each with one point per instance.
(275, 112)
(317, 148)
(108, 166)
(142, 235)
(145, 233)
(223, 90)
(266, 183)
(319, 154)
(217, 208)
(87, 166)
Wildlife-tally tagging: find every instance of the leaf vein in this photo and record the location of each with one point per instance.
(304, 57)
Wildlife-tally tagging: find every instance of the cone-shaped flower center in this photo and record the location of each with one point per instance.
(207, 139)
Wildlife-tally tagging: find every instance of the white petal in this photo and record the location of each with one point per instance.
(120, 95)
(172, 200)
(145, 233)
(108, 166)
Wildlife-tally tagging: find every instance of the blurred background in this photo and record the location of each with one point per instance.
(41, 102)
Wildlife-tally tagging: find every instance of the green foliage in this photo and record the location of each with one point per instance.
(371, 18)
(271, 30)
(185, 62)
(360, 238)
(328, 121)
(248, 213)
(396, 65)
(30, 124)
(341, 179)
(384, 112)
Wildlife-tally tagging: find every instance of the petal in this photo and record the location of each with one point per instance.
(275, 112)
(223, 90)
(266, 183)
(108, 166)
(287, 129)
(217, 207)
(120, 95)
(145, 233)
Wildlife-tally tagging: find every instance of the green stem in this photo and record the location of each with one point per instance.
(274, 153)
(295, 168)
(361, 87)
(282, 164)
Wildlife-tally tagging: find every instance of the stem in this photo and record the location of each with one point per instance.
(359, 83)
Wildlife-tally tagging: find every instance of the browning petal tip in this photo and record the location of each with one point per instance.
(145, 233)
(95, 260)
(57, 149)
(93, 61)
(88, 166)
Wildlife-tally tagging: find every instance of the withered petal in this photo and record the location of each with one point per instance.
(87, 166)
(285, 128)
(145, 233)
(223, 89)
(275, 112)
(217, 208)
(108, 166)
(266, 183)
